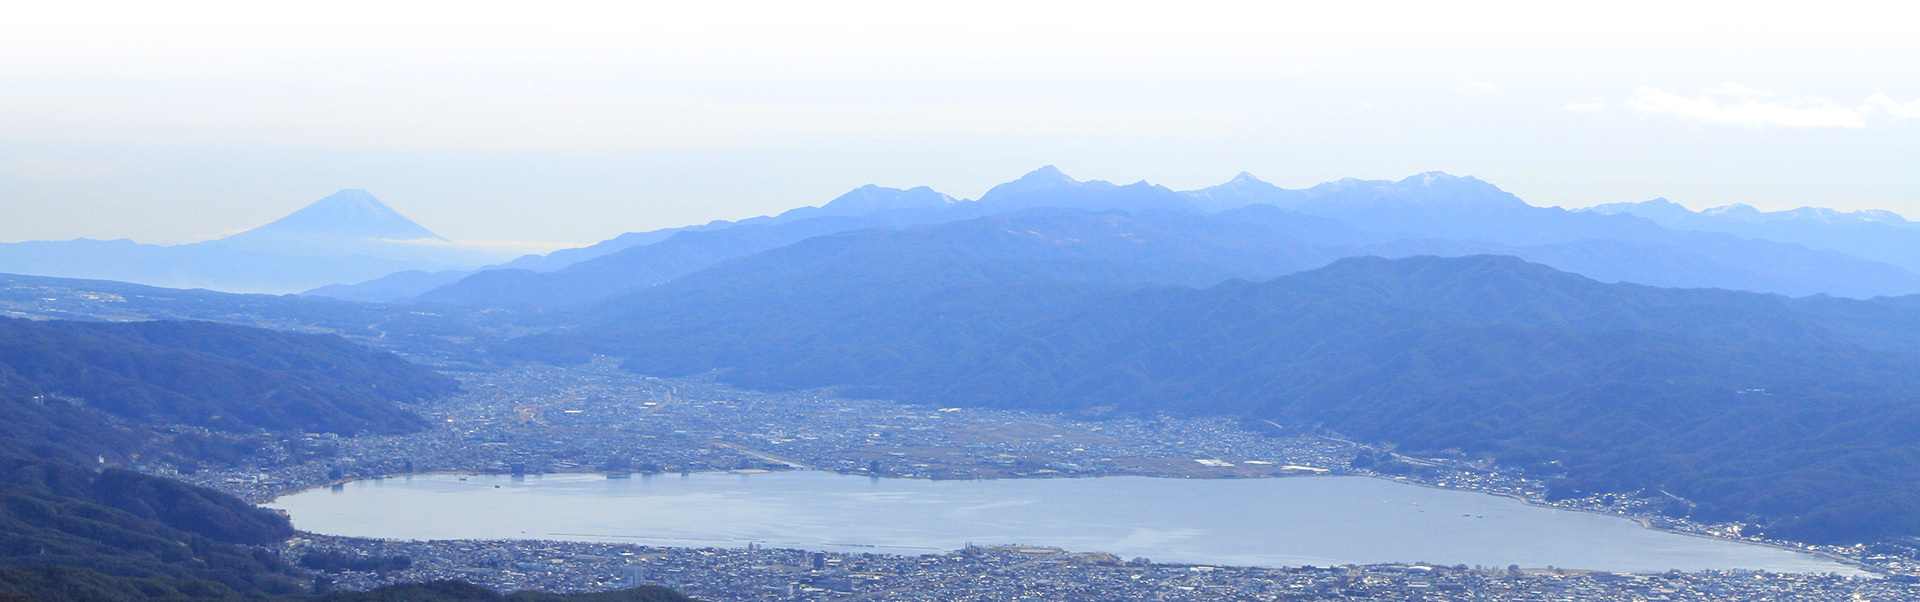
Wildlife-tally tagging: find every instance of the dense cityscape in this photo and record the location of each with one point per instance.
(1016, 572)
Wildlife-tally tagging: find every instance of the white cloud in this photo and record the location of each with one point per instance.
(1734, 104)
(1592, 106)
(60, 170)
(1893, 107)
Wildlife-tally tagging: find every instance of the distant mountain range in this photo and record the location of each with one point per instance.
(351, 246)
(1877, 235)
(348, 236)
(900, 207)
(1431, 213)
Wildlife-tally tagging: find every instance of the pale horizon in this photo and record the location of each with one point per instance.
(513, 248)
(578, 124)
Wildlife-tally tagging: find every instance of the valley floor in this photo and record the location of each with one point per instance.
(597, 417)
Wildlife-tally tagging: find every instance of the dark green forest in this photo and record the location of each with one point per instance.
(77, 399)
(69, 533)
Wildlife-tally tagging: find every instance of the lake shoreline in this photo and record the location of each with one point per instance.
(1645, 521)
(1237, 510)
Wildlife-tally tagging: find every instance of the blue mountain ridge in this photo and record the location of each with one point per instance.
(1428, 213)
(1872, 234)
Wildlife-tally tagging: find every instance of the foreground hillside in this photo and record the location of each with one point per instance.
(1796, 413)
(69, 533)
(77, 399)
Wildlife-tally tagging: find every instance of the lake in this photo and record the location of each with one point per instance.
(1258, 522)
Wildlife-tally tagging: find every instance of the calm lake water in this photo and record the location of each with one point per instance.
(1259, 522)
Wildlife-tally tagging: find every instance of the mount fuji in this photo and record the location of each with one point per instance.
(348, 236)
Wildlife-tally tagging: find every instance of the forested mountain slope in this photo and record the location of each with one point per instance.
(69, 533)
(1798, 412)
(214, 375)
(78, 399)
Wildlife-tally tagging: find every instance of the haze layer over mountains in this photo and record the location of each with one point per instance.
(349, 236)
(1877, 235)
(1427, 214)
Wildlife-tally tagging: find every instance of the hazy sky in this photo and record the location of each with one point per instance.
(573, 122)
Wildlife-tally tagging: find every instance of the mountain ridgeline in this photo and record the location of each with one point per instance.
(1872, 234)
(632, 268)
(1431, 214)
(1796, 413)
